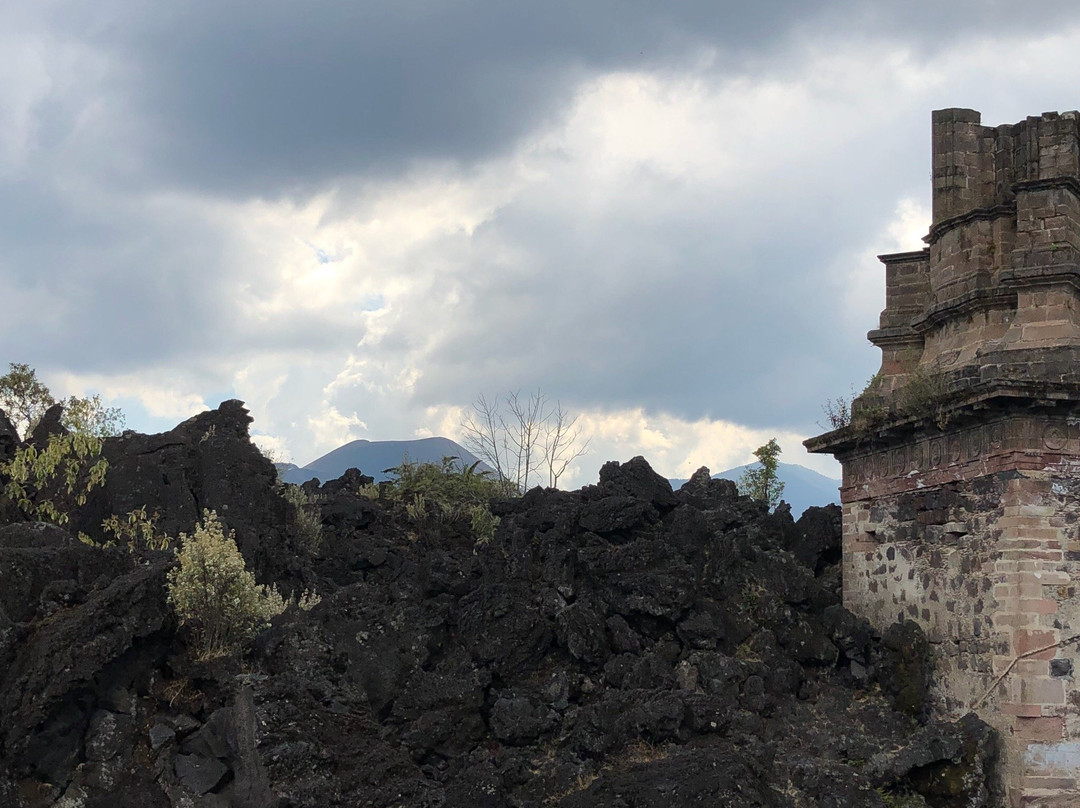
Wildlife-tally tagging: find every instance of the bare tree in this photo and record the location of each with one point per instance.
(485, 432)
(527, 420)
(522, 437)
(563, 444)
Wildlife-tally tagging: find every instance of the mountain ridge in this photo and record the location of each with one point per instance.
(373, 458)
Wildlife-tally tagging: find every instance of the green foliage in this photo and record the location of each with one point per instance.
(309, 599)
(23, 397)
(89, 542)
(434, 493)
(417, 508)
(483, 523)
(47, 483)
(90, 416)
(137, 530)
(214, 595)
(308, 518)
(762, 483)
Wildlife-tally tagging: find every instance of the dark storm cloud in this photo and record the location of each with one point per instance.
(259, 97)
(271, 97)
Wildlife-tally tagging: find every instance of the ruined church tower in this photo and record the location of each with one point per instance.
(961, 461)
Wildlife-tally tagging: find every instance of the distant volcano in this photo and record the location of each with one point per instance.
(373, 457)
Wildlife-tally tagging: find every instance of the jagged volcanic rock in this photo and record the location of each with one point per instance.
(621, 645)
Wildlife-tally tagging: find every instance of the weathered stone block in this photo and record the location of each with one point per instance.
(1044, 728)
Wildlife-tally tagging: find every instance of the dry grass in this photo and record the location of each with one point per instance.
(581, 782)
(641, 751)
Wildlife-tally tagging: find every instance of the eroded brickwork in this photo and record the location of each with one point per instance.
(961, 490)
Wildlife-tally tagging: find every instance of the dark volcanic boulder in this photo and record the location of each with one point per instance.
(51, 423)
(636, 479)
(55, 680)
(207, 462)
(904, 668)
(816, 539)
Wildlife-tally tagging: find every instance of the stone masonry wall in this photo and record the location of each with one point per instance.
(979, 542)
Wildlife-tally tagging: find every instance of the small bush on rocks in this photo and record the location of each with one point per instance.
(445, 492)
(308, 518)
(214, 594)
(137, 530)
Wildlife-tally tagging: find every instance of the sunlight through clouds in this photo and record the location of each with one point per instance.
(681, 247)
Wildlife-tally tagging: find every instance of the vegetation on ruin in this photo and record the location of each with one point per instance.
(861, 410)
(924, 394)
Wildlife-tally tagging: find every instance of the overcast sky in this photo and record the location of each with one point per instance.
(357, 216)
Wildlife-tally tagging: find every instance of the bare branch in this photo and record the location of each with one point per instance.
(533, 436)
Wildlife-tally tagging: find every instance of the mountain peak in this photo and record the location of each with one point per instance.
(373, 457)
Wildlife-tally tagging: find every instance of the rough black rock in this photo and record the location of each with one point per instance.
(622, 645)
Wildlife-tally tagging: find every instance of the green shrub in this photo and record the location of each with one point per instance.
(924, 395)
(47, 483)
(439, 493)
(483, 523)
(861, 411)
(763, 482)
(369, 491)
(309, 599)
(308, 518)
(214, 595)
(137, 530)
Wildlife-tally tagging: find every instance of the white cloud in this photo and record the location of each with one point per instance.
(159, 396)
(676, 447)
(621, 255)
(274, 447)
(330, 428)
(910, 225)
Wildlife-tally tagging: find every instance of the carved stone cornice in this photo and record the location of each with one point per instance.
(1003, 210)
(1008, 442)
